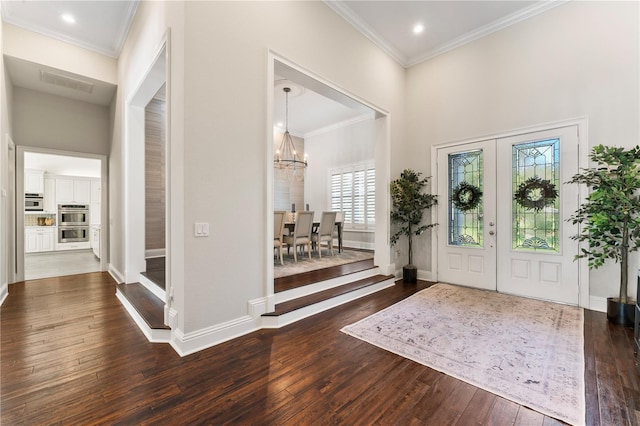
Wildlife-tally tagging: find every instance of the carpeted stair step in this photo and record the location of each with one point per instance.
(146, 304)
(301, 307)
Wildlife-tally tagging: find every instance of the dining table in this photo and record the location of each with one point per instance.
(291, 226)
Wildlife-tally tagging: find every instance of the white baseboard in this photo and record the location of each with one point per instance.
(115, 274)
(154, 253)
(186, 344)
(4, 292)
(152, 287)
(153, 335)
(356, 245)
(597, 303)
(422, 274)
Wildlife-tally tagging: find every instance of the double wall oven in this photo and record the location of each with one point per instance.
(73, 223)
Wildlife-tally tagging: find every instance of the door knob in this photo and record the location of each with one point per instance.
(491, 232)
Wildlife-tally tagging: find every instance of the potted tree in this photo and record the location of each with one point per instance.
(611, 218)
(409, 204)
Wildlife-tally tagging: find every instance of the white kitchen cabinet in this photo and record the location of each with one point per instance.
(34, 181)
(95, 240)
(50, 195)
(39, 239)
(96, 191)
(69, 190)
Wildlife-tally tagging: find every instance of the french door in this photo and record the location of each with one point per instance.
(502, 215)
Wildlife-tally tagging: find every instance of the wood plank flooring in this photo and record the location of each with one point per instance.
(70, 354)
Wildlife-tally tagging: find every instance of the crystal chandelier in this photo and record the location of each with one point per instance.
(287, 162)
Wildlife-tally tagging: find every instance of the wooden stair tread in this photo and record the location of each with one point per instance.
(306, 278)
(148, 305)
(301, 302)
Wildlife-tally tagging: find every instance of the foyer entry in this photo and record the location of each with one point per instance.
(502, 215)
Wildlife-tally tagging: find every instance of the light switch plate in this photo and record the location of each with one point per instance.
(201, 229)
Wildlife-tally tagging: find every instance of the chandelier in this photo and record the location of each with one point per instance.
(287, 162)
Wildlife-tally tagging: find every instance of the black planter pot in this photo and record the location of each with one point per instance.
(620, 313)
(409, 274)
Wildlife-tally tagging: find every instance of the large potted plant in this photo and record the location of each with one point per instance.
(409, 204)
(610, 218)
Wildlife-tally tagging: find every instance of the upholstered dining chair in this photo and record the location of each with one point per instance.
(278, 230)
(325, 232)
(301, 233)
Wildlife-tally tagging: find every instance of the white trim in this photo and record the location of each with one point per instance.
(357, 244)
(298, 292)
(582, 125)
(113, 52)
(382, 160)
(204, 338)
(307, 311)
(4, 293)
(117, 276)
(502, 23)
(153, 288)
(359, 24)
(257, 307)
(152, 253)
(336, 126)
(154, 335)
(423, 275)
(597, 303)
(354, 19)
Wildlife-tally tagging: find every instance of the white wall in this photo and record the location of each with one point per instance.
(218, 121)
(578, 59)
(225, 126)
(48, 121)
(338, 147)
(6, 241)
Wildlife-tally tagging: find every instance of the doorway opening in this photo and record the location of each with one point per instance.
(61, 204)
(345, 142)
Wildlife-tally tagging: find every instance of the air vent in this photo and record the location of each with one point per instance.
(64, 81)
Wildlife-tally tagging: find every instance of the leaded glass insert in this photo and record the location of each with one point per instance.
(465, 227)
(536, 175)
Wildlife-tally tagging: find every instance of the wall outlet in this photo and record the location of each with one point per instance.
(201, 230)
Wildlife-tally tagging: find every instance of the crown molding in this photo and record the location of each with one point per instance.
(336, 126)
(346, 13)
(507, 21)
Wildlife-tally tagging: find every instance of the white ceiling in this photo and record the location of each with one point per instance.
(448, 24)
(62, 164)
(102, 26)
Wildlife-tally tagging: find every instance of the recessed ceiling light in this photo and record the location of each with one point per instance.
(68, 18)
(418, 28)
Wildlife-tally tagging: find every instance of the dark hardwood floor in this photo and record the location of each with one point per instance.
(70, 354)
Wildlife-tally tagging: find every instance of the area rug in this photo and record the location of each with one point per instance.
(305, 264)
(528, 351)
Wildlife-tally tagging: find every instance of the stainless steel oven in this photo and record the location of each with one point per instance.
(73, 234)
(33, 202)
(73, 215)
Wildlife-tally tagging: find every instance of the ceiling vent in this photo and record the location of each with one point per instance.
(64, 81)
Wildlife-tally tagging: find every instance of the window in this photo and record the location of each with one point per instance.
(353, 193)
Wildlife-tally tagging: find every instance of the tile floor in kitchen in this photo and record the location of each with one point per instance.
(59, 263)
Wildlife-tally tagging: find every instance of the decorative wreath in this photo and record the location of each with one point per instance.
(536, 194)
(466, 197)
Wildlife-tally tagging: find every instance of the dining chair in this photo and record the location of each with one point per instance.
(325, 232)
(278, 230)
(301, 233)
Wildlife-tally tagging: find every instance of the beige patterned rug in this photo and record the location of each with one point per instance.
(528, 351)
(305, 264)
